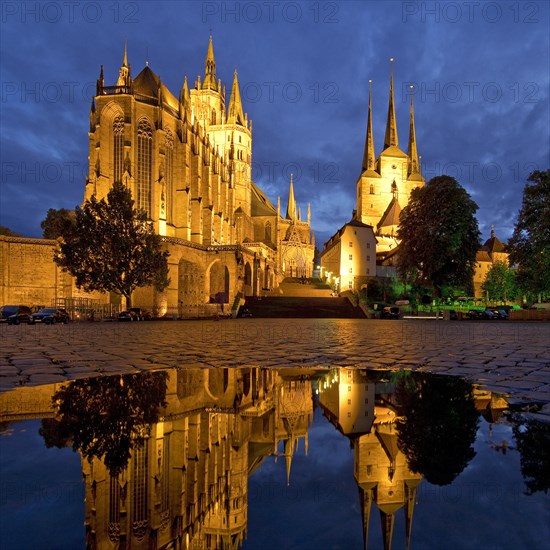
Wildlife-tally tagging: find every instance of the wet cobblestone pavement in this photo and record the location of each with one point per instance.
(507, 357)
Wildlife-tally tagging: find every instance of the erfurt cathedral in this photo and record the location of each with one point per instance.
(188, 160)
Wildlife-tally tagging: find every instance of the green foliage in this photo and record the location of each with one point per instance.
(105, 417)
(533, 442)
(499, 283)
(439, 236)
(56, 223)
(7, 232)
(112, 247)
(530, 243)
(437, 425)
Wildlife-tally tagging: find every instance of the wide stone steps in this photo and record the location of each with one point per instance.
(302, 308)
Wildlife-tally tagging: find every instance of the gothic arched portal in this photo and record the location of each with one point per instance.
(218, 283)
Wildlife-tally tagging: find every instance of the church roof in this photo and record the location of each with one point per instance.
(147, 83)
(391, 215)
(393, 151)
(493, 245)
(261, 206)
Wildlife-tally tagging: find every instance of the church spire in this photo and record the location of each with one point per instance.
(209, 82)
(414, 164)
(235, 110)
(391, 125)
(368, 157)
(291, 207)
(124, 77)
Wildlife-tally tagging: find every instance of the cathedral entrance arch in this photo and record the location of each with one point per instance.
(218, 283)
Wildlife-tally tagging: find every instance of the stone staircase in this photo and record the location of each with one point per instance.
(291, 299)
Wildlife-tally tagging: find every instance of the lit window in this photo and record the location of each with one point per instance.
(144, 171)
(351, 270)
(350, 244)
(351, 256)
(349, 415)
(349, 388)
(350, 285)
(118, 147)
(349, 401)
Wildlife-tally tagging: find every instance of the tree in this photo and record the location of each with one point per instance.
(530, 243)
(106, 417)
(437, 425)
(499, 284)
(55, 222)
(112, 247)
(7, 232)
(439, 236)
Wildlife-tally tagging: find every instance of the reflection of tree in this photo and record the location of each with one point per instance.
(533, 442)
(438, 425)
(105, 417)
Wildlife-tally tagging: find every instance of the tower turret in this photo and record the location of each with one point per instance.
(124, 75)
(413, 169)
(235, 110)
(291, 206)
(210, 82)
(369, 159)
(391, 124)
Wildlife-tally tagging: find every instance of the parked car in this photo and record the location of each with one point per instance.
(390, 313)
(453, 315)
(50, 316)
(500, 313)
(15, 315)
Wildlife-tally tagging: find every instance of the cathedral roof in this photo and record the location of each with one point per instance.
(391, 215)
(261, 206)
(147, 83)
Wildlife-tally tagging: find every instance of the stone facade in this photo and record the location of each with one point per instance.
(492, 251)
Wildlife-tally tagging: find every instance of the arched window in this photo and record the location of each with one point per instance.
(144, 170)
(169, 176)
(372, 189)
(213, 116)
(118, 148)
(267, 232)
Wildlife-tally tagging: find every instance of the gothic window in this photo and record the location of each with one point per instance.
(144, 166)
(213, 116)
(268, 232)
(394, 189)
(114, 508)
(372, 189)
(139, 500)
(118, 148)
(169, 176)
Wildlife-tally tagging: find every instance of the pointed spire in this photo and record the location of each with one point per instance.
(309, 213)
(368, 157)
(299, 214)
(100, 82)
(391, 125)
(410, 498)
(289, 451)
(279, 206)
(124, 78)
(125, 57)
(388, 521)
(291, 206)
(414, 163)
(366, 498)
(210, 82)
(235, 111)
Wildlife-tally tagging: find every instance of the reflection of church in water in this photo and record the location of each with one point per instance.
(363, 411)
(187, 487)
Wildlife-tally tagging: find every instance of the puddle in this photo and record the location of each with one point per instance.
(271, 458)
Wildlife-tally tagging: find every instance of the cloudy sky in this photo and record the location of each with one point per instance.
(480, 71)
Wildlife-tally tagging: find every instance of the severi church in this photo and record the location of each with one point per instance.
(187, 159)
(361, 248)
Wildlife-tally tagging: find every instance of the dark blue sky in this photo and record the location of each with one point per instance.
(481, 71)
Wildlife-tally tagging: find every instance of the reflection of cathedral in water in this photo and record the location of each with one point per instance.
(363, 411)
(186, 487)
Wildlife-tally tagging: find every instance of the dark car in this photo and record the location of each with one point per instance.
(453, 315)
(390, 313)
(500, 313)
(14, 315)
(50, 316)
(128, 315)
